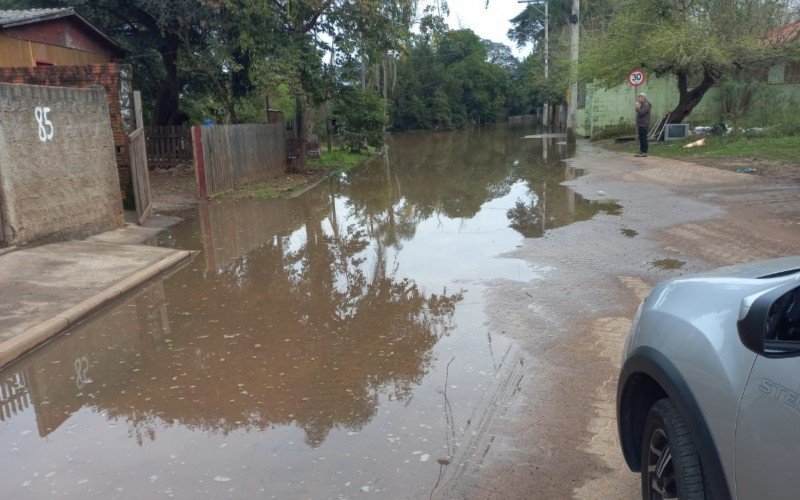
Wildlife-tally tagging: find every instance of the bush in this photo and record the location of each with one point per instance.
(360, 115)
(772, 110)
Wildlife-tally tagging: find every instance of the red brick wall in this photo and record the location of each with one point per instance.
(110, 76)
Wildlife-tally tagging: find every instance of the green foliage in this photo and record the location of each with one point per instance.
(459, 80)
(532, 89)
(772, 111)
(361, 115)
(695, 40)
(528, 25)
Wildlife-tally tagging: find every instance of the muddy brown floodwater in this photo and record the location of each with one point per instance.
(326, 346)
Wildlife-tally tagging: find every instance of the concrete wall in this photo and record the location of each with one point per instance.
(115, 79)
(56, 180)
(610, 112)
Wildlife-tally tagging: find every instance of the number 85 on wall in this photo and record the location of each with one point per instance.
(46, 128)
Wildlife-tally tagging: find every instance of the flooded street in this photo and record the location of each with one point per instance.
(331, 345)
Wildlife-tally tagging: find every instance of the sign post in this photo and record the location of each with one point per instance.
(636, 77)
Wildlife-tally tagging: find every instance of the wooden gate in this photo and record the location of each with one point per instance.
(169, 146)
(141, 177)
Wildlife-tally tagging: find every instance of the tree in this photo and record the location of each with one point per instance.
(501, 55)
(361, 114)
(697, 41)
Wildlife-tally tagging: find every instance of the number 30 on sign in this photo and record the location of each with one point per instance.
(45, 125)
(636, 77)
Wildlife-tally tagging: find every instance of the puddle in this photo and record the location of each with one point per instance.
(328, 345)
(630, 233)
(668, 264)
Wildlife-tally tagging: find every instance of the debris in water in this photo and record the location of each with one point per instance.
(424, 457)
(222, 479)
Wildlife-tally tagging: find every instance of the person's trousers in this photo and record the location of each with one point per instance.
(642, 139)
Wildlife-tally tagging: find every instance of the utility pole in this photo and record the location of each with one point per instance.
(572, 120)
(546, 106)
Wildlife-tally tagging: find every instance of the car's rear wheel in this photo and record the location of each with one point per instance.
(671, 468)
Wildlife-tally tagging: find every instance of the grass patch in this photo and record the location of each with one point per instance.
(289, 184)
(777, 158)
(265, 191)
(785, 149)
(338, 159)
(668, 264)
(781, 149)
(283, 186)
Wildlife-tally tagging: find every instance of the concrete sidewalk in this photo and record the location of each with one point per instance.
(45, 290)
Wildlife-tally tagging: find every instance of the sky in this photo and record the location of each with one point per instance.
(491, 23)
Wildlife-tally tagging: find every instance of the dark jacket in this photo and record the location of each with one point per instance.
(643, 114)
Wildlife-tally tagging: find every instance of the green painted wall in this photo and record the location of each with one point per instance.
(774, 103)
(611, 112)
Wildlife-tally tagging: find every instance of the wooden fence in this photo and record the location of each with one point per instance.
(169, 146)
(140, 174)
(232, 229)
(229, 156)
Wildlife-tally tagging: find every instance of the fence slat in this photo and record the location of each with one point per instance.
(139, 171)
(169, 146)
(235, 155)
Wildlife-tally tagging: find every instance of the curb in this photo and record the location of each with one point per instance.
(13, 349)
(312, 185)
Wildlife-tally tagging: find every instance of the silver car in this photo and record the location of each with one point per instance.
(708, 401)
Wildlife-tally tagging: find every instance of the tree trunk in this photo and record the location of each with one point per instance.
(363, 73)
(167, 110)
(690, 98)
(385, 85)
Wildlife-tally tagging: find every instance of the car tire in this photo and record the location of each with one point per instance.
(671, 467)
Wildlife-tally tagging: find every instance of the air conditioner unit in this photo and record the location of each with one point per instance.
(675, 131)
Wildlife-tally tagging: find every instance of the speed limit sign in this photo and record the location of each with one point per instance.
(636, 77)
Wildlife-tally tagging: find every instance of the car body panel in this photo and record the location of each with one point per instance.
(767, 441)
(646, 360)
(692, 322)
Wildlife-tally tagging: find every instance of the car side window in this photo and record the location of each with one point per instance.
(783, 323)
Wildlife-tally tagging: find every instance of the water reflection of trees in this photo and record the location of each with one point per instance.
(453, 174)
(310, 329)
(296, 314)
(316, 333)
